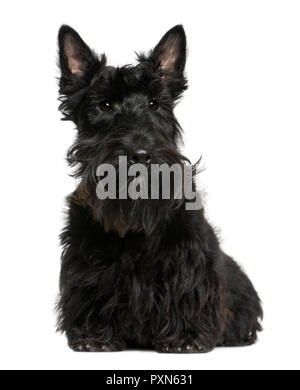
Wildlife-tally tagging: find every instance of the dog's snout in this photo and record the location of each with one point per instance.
(140, 156)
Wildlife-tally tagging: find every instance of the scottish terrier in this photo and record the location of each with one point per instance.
(140, 272)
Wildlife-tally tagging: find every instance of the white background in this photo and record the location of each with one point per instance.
(241, 113)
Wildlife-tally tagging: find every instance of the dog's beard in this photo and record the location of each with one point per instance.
(123, 215)
(138, 215)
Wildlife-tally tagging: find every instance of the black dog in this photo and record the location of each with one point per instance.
(140, 273)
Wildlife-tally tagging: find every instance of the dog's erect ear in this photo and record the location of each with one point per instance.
(75, 57)
(170, 53)
(78, 64)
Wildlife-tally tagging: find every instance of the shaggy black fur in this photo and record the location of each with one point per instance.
(143, 273)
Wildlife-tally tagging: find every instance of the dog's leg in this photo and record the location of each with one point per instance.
(185, 337)
(87, 316)
(188, 303)
(185, 348)
(92, 344)
(207, 299)
(241, 303)
(90, 300)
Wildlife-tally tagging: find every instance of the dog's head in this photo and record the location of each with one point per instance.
(122, 111)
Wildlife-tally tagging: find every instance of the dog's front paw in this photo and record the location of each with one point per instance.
(185, 348)
(93, 346)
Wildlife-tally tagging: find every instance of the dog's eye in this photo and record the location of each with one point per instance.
(153, 105)
(105, 106)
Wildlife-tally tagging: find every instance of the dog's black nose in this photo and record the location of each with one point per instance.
(140, 156)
